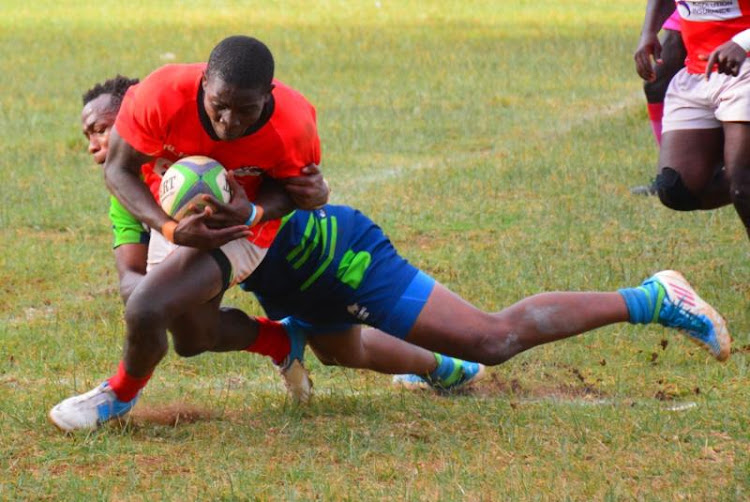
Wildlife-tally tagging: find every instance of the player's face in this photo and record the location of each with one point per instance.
(97, 119)
(232, 110)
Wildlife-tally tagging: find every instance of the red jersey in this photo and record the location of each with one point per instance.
(706, 24)
(160, 117)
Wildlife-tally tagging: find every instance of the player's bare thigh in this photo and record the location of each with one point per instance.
(451, 325)
(186, 278)
(694, 153)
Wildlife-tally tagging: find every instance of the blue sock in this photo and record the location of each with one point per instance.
(444, 370)
(644, 302)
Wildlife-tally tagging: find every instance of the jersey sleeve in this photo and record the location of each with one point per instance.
(143, 118)
(299, 132)
(126, 228)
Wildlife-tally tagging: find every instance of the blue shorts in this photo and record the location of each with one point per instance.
(332, 268)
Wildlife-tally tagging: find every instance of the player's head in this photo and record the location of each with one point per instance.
(100, 106)
(237, 85)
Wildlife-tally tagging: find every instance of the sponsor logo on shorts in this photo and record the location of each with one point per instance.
(360, 313)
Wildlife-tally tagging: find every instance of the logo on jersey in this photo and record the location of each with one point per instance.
(248, 171)
(161, 165)
(360, 313)
(709, 10)
(171, 149)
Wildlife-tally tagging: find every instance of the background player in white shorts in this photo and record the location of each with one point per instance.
(706, 122)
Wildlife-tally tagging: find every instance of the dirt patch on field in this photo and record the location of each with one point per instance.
(172, 414)
(494, 386)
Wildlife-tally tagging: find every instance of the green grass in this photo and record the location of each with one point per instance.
(495, 143)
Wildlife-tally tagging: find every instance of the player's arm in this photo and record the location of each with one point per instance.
(308, 191)
(130, 260)
(130, 247)
(729, 56)
(275, 199)
(649, 47)
(122, 175)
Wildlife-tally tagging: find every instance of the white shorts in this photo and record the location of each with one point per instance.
(244, 256)
(694, 103)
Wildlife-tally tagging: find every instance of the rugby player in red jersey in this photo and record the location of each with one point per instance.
(706, 122)
(231, 110)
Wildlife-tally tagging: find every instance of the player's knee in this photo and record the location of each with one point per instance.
(673, 193)
(495, 345)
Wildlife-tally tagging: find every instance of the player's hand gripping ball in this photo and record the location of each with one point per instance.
(187, 180)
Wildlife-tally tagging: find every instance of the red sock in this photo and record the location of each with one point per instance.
(272, 340)
(655, 113)
(125, 386)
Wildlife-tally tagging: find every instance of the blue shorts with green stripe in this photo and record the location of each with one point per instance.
(332, 268)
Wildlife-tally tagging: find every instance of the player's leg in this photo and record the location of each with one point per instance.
(690, 173)
(451, 325)
(691, 156)
(737, 156)
(414, 367)
(673, 59)
(185, 280)
(370, 349)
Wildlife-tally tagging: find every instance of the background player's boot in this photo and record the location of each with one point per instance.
(87, 411)
(458, 374)
(293, 372)
(683, 309)
(649, 189)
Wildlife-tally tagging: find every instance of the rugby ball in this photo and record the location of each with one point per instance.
(189, 178)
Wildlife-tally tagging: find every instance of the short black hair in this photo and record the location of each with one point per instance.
(115, 86)
(242, 61)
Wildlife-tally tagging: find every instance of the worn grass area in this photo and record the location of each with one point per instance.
(495, 144)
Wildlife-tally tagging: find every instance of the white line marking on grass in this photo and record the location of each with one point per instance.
(556, 130)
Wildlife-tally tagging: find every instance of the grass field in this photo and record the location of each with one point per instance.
(495, 142)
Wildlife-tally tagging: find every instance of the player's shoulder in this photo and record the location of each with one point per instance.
(173, 83)
(291, 109)
(175, 74)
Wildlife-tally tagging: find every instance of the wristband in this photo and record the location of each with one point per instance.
(253, 213)
(742, 39)
(256, 214)
(167, 230)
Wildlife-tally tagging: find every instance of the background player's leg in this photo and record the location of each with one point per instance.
(673, 58)
(690, 169)
(737, 155)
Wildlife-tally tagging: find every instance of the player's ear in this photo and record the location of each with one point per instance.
(204, 81)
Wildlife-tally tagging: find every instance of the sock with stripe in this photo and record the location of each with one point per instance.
(272, 340)
(447, 372)
(126, 386)
(655, 114)
(644, 302)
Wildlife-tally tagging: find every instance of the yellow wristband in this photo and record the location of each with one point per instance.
(167, 230)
